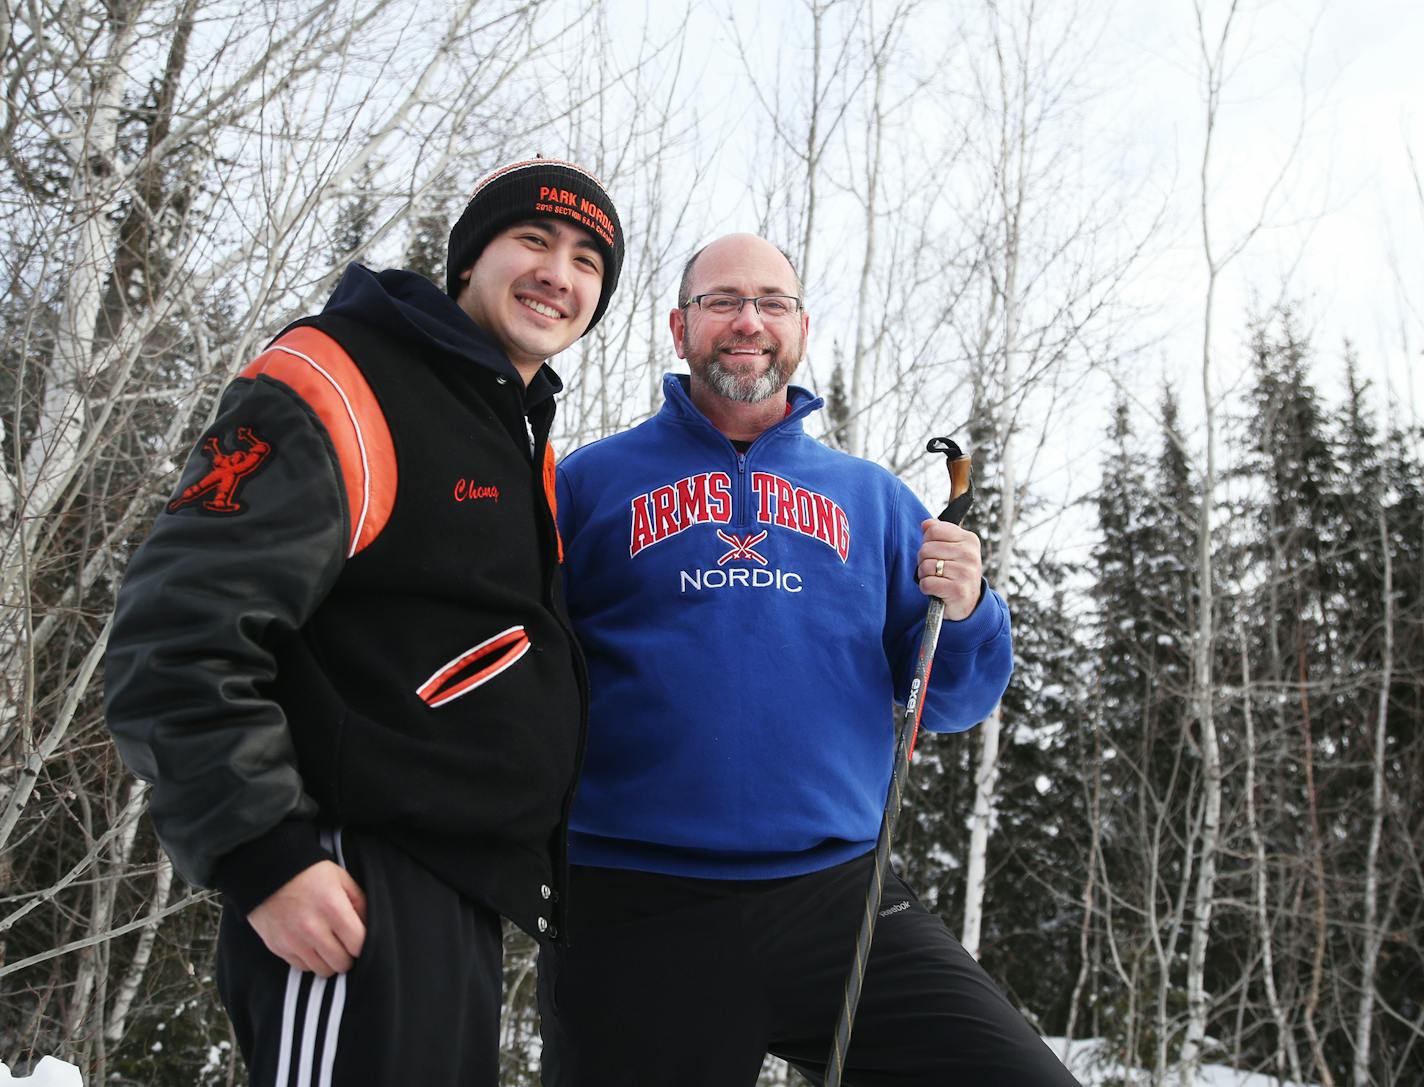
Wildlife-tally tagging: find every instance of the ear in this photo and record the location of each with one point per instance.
(677, 323)
(462, 282)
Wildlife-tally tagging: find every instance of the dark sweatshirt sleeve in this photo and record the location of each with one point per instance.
(247, 548)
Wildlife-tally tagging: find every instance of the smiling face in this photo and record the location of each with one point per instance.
(745, 357)
(534, 288)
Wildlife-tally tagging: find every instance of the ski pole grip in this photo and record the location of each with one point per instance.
(961, 486)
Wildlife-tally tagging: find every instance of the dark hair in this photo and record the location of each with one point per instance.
(684, 287)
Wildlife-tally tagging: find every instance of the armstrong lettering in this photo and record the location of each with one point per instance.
(782, 503)
(702, 499)
(707, 499)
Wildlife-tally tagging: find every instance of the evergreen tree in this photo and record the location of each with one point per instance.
(1310, 561)
(354, 220)
(1401, 978)
(425, 249)
(838, 409)
(1143, 570)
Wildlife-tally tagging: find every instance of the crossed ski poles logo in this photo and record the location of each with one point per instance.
(742, 547)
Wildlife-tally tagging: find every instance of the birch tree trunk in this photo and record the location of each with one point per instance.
(1203, 694)
(1010, 175)
(1287, 1059)
(1213, 59)
(1372, 931)
(853, 438)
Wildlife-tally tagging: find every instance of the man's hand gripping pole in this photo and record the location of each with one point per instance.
(961, 497)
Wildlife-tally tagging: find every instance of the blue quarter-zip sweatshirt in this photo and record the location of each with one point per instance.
(748, 620)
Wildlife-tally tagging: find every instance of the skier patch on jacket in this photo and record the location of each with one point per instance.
(228, 469)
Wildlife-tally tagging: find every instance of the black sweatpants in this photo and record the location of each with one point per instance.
(421, 1004)
(689, 983)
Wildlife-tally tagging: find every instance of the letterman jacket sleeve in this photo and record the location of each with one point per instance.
(250, 543)
(974, 657)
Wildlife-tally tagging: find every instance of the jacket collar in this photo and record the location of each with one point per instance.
(413, 309)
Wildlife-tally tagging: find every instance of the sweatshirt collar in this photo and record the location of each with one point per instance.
(677, 403)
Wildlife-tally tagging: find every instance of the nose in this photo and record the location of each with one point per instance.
(749, 320)
(555, 270)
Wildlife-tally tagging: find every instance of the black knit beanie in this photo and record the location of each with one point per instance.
(537, 189)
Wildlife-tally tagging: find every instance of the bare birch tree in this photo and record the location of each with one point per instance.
(1036, 303)
(1215, 57)
(172, 167)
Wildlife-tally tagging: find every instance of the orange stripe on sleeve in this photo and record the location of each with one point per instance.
(318, 369)
(551, 492)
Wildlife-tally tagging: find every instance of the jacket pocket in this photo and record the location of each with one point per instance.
(474, 667)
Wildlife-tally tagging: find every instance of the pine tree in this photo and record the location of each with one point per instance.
(426, 247)
(354, 220)
(838, 408)
(1401, 973)
(1142, 591)
(1301, 634)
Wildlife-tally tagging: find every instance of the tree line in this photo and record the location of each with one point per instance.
(1312, 967)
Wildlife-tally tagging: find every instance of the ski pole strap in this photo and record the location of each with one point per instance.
(961, 486)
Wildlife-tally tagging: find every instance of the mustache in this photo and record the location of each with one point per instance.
(761, 343)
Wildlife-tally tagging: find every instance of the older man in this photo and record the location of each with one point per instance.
(750, 603)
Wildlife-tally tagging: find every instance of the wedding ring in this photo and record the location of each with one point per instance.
(939, 567)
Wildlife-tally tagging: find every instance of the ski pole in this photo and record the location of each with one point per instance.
(961, 497)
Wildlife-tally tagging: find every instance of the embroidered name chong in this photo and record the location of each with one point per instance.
(467, 490)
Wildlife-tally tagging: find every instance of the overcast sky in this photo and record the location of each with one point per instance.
(1347, 231)
(1330, 90)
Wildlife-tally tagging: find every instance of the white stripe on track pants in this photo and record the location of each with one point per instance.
(421, 1005)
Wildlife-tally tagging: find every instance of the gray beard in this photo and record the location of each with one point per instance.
(731, 387)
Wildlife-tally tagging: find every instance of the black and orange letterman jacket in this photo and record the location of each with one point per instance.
(350, 614)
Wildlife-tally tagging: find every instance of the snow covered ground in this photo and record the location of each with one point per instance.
(1086, 1058)
(50, 1072)
(1095, 1068)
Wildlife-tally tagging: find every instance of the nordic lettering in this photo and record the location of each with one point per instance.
(739, 577)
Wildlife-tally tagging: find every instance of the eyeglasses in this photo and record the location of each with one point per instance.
(729, 305)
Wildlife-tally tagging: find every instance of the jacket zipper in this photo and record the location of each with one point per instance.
(559, 861)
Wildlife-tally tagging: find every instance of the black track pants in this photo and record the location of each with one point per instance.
(673, 982)
(421, 1005)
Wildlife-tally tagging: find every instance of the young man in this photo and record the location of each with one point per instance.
(342, 656)
(748, 605)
